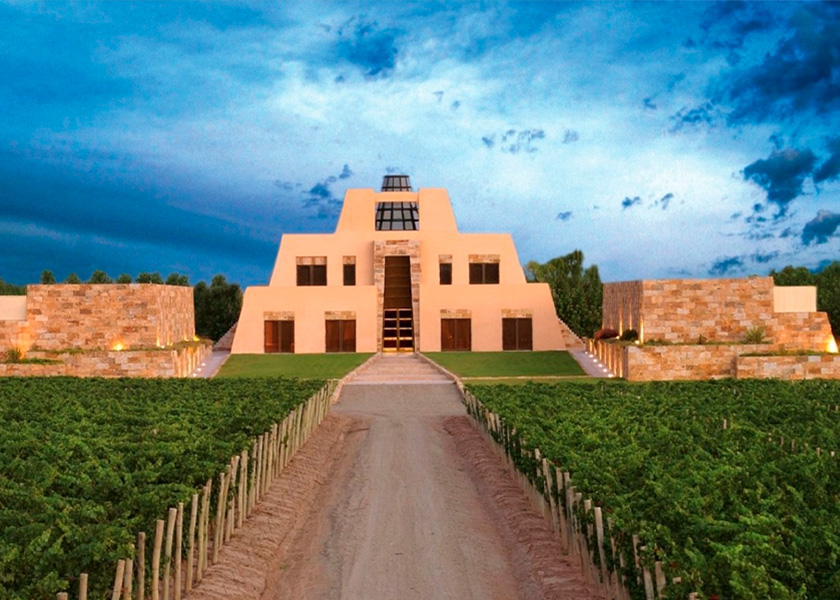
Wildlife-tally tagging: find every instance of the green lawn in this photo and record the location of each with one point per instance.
(302, 366)
(508, 364)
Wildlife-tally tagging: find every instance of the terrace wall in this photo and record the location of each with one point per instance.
(94, 316)
(823, 366)
(177, 362)
(685, 362)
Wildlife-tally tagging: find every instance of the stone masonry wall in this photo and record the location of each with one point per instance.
(179, 362)
(93, 316)
(825, 366)
(721, 310)
(685, 362)
(800, 331)
(13, 334)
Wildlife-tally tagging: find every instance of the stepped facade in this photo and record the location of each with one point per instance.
(397, 275)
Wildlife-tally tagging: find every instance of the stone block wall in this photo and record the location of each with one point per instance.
(685, 362)
(824, 366)
(721, 310)
(14, 334)
(93, 316)
(800, 331)
(176, 362)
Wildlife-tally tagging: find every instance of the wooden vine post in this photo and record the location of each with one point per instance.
(245, 481)
(156, 559)
(191, 543)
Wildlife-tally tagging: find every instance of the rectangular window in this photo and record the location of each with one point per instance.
(455, 334)
(341, 335)
(446, 273)
(279, 336)
(517, 334)
(312, 274)
(350, 274)
(484, 273)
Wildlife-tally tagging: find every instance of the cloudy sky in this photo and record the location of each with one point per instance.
(663, 139)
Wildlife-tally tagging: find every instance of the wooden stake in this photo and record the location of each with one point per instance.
(156, 559)
(128, 579)
(243, 481)
(599, 537)
(61, 596)
(636, 560)
(660, 579)
(202, 532)
(220, 517)
(118, 580)
(252, 483)
(191, 543)
(170, 531)
(648, 580)
(258, 481)
(141, 566)
(179, 549)
(83, 585)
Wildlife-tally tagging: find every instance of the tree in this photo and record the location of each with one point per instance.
(793, 276)
(828, 294)
(176, 279)
(217, 306)
(100, 277)
(72, 278)
(47, 277)
(124, 278)
(828, 288)
(577, 292)
(149, 278)
(10, 289)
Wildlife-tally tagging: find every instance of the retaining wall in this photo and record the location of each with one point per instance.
(822, 366)
(101, 315)
(177, 362)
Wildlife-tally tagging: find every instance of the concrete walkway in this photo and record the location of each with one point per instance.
(211, 364)
(590, 364)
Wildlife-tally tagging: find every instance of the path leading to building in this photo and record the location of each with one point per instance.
(589, 363)
(395, 496)
(211, 364)
(418, 506)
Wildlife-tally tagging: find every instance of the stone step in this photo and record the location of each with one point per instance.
(398, 369)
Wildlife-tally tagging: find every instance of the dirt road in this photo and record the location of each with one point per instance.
(417, 506)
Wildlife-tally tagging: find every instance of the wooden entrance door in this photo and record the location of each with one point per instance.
(398, 315)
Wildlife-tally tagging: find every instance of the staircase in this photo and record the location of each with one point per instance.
(570, 339)
(399, 369)
(226, 341)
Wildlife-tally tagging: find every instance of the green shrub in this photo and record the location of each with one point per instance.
(14, 355)
(755, 335)
(629, 335)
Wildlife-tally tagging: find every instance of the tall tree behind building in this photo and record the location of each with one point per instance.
(576, 291)
(217, 307)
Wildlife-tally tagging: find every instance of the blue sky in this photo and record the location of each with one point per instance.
(662, 139)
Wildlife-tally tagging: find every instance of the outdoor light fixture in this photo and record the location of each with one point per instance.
(832, 345)
(118, 347)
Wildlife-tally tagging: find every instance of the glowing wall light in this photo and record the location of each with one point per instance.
(118, 346)
(832, 345)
